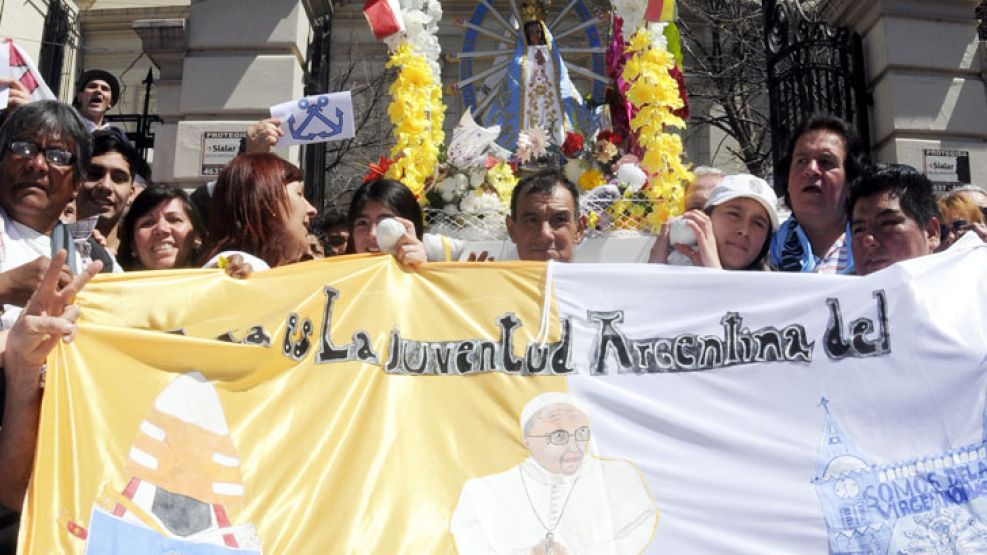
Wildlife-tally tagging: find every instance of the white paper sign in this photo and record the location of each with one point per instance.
(316, 119)
(16, 64)
(5, 73)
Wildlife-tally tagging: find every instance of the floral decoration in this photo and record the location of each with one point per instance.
(655, 94)
(417, 112)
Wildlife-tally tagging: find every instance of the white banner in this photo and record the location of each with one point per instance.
(789, 413)
(316, 119)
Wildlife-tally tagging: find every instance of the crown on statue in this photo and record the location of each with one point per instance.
(533, 10)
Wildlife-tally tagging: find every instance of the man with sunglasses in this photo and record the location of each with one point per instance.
(44, 151)
(561, 499)
(108, 186)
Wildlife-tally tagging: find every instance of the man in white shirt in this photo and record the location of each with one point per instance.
(44, 152)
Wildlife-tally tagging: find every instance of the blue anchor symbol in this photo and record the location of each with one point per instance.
(314, 111)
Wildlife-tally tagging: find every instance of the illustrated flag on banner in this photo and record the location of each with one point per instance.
(15, 64)
(316, 119)
(350, 405)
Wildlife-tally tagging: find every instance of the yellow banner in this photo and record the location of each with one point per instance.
(255, 416)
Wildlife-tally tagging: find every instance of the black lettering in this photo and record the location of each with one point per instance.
(608, 337)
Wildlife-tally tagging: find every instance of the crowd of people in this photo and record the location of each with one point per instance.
(76, 199)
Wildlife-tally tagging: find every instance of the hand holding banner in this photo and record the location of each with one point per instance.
(316, 119)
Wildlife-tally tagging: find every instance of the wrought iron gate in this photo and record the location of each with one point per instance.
(813, 68)
(142, 138)
(54, 38)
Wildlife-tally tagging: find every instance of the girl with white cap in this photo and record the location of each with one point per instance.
(733, 232)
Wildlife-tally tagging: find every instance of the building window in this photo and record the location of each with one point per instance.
(53, 43)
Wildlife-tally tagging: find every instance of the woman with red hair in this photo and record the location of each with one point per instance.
(259, 208)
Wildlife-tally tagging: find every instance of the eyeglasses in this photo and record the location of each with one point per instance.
(561, 437)
(28, 150)
(95, 172)
(957, 227)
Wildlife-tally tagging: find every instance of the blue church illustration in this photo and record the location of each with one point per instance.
(934, 505)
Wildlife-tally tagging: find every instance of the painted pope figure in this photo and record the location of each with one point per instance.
(562, 499)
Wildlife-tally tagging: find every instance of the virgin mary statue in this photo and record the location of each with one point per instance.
(538, 90)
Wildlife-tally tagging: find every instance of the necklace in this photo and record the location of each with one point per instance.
(549, 540)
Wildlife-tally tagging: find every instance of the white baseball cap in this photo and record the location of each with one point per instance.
(746, 186)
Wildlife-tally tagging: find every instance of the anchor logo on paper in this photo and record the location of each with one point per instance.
(313, 117)
(929, 504)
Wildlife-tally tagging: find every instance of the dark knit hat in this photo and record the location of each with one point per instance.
(99, 74)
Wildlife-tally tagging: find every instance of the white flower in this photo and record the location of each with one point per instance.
(445, 185)
(539, 141)
(573, 170)
(477, 177)
(460, 182)
(477, 201)
(632, 12)
(524, 149)
(448, 195)
(531, 144)
(631, 176)
(657, 33)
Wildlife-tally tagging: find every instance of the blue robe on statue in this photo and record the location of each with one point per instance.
(508, 109)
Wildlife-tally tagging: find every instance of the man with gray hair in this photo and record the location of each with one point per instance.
(698, 190)
(44, 152)
(561, 499)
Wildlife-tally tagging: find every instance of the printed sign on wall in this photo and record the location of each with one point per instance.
(218, 148)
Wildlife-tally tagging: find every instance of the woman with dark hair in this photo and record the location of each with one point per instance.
(376, 201)
(162, 230)
(734, 230)
(259, 208)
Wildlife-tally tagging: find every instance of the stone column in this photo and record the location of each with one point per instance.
(925, 68)
(221, 69)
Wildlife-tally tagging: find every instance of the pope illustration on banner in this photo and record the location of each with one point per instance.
(562, 499)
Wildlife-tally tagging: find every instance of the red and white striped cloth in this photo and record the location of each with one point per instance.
(16, 64)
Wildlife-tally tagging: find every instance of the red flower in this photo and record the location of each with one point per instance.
(611, 136)
(379, 169)
(573, 144)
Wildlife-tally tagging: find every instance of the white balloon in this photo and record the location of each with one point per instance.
(389, 231)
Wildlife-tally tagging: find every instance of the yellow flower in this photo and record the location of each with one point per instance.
(591, 179)
(655, 94)
(416, 112)
(501, 177)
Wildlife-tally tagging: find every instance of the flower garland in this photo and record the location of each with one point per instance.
(417, 113)
(655, 95)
